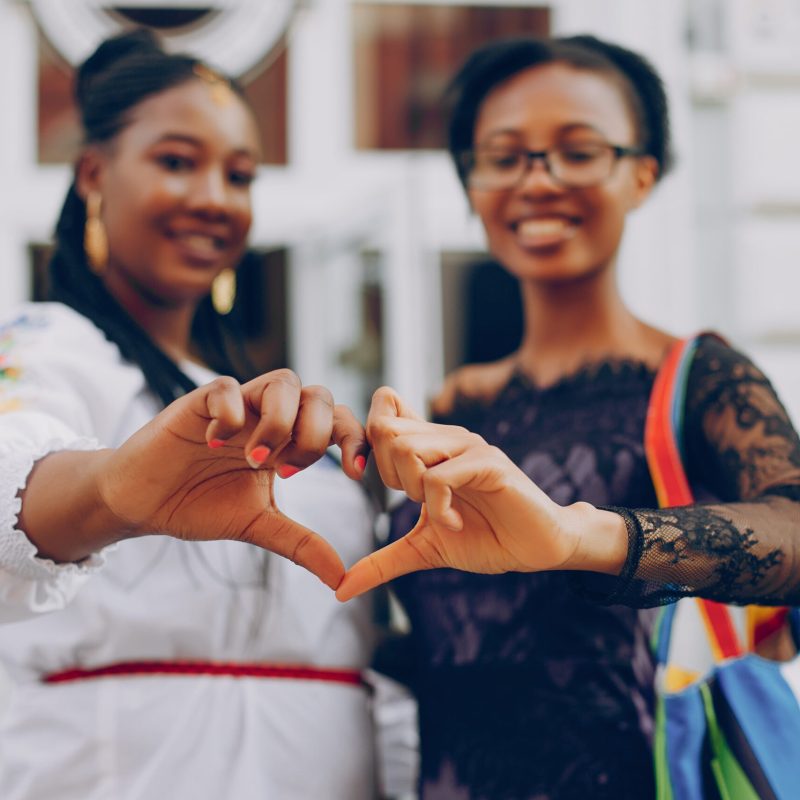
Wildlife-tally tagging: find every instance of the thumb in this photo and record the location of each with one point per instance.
(278, 533)
(390, 562)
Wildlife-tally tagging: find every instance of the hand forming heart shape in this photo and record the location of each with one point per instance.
(204, 467)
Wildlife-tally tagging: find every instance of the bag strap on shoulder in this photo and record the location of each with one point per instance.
(663, 441)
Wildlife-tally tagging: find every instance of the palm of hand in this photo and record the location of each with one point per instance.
(166, 479)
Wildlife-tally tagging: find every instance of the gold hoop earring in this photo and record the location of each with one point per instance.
(223, 291)
(95, 239)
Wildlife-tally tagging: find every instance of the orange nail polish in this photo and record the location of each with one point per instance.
(287, 470)
(216, 443)
(258, 455)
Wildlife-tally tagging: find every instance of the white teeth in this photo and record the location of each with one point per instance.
(545, 231)
(200, 242)
(540, 227)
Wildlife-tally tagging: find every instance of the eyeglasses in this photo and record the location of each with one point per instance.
(571, 165)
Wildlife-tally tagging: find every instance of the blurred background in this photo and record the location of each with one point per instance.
(369, 267)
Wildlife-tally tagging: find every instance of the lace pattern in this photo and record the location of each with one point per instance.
(740, 446)
(17, 552)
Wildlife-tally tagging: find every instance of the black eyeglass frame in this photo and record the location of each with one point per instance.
(466, 162)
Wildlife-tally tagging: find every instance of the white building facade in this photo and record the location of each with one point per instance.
(715, 247)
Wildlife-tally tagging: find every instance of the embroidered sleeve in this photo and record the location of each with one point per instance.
(37, 417)
(745, 546)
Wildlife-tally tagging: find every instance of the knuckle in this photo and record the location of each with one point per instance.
(301, 546)
(224, 383)
(318, 393)
(285, 375)
(461, 431)
(432, 480)
(493, 452)
(378, 429)
(301, 459)
(343, 412)
(383, 393)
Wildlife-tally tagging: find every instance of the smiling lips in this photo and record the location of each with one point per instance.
(539, 232)
(199, 247)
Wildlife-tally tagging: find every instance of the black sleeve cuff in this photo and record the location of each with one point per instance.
(610, 589)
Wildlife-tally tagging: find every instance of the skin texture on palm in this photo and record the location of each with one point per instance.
(480, 512)
(167, 479)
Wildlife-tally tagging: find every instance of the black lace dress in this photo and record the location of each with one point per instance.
(539, 686)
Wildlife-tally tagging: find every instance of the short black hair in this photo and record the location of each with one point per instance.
(495, 63)
(125, 70)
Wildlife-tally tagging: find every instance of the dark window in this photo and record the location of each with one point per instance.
(406, 54)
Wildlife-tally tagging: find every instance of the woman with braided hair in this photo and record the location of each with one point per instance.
(170, 668)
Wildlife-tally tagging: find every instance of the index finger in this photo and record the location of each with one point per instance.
(350, 436)
(387, 403)
(386, 410)
(274, 399)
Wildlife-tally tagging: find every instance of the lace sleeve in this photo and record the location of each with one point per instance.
(741, 447)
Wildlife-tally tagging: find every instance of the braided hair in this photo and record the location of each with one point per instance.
(495, 63)
(121, 73)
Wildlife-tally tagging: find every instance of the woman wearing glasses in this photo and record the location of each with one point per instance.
(528, 688)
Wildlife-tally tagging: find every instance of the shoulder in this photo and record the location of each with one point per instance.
(48, 350)
(473, 383)
(723, 380)
(717, 363)
(51, 326)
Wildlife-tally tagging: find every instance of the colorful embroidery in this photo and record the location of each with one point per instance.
(8, 370)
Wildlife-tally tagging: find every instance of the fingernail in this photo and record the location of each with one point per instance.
(215, 443)
(360, 462)
(258, 455)
(287, 470)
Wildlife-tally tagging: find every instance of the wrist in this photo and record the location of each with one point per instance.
(602, 540)
(64, 512)
(103, 525)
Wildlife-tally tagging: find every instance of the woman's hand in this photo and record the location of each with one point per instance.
(204, 469)
(480, 512)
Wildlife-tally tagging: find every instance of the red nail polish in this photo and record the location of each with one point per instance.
(258, 455)
(287, 470)
(215, 443)
(360, 462)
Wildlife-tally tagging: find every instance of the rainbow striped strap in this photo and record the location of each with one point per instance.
(663, 442)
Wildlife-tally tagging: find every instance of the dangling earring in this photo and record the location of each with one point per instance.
(223, 291)
(95, 240)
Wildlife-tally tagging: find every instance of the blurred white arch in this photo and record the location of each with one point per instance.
(235, 35)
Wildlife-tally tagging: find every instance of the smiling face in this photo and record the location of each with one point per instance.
(175, 188)
(539, 229)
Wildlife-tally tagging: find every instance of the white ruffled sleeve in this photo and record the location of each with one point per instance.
(51, 363)
(29, 584)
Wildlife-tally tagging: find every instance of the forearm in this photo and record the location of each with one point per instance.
(63, 513)
(732, 553)
(743, 552)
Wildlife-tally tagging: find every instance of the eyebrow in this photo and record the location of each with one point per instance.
(195, 142)
(573, 126)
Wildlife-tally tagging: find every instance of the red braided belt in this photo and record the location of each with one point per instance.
(350, 677)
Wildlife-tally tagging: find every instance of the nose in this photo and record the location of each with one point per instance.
(210, 193)
(537, 178)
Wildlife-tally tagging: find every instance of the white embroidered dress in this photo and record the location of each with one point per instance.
(64, 386)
